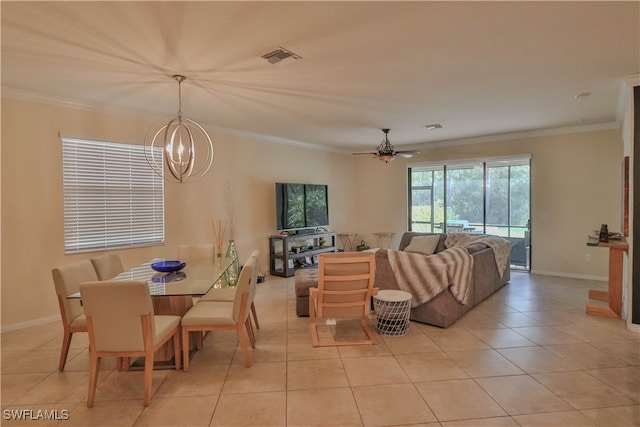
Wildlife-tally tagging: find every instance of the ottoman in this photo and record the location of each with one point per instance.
(304, 279)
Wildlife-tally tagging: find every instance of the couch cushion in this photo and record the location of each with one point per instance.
(476, 247)
(409, 235)
(425, 245)
(305, 279)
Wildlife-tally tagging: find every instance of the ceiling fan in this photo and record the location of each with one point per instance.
(386, 152)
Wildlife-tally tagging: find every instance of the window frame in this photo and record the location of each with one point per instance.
(486, 163)
(112, 199)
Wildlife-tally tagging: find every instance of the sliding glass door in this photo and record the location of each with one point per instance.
(426, 213)
(464, 192)
(490, 197)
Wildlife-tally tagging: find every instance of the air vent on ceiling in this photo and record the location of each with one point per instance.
(433, 126)
(280, 54)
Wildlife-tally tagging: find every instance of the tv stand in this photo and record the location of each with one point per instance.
(288, 253)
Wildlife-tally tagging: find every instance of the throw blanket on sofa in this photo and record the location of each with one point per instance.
(425, 276)
(501, 247)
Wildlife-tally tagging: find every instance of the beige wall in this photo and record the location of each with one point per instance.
(576, 187)
(32, 217)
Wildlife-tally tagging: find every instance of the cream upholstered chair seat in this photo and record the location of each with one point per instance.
(224, 316)
(121, 323)
(107, 266)
(79, 322)
(212, 313)
(67, 280)
(164, 325)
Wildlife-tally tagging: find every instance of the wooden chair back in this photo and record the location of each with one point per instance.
(345, 284)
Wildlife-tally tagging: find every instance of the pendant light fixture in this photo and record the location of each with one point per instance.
(180, 140)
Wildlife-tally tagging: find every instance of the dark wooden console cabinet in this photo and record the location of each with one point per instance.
(290, 253)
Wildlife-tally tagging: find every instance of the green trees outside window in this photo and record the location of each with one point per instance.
(490, 197)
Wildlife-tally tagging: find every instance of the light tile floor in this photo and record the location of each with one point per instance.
(528, 355)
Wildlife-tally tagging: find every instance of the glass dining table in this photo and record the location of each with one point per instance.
(173, 293)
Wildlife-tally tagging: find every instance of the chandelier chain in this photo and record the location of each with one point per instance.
(180, 79)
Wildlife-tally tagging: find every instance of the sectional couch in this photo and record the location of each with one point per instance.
(444, 309)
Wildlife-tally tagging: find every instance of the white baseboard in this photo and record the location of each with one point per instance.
(30, 323)
(571, 275)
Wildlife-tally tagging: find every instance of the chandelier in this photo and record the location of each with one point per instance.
(175, 144)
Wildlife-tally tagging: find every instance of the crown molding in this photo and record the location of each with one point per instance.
(614, 124)
(57, 101)
(25, 95)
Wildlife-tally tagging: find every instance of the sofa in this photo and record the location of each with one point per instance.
(444, 309)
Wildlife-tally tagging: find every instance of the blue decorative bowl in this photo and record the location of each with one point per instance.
(168, 266)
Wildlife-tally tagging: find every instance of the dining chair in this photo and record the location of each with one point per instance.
(107, 266)
(67, 280)
(199, 250)
(228, 293)
(223, 316)
(121, 323)
(345, 288)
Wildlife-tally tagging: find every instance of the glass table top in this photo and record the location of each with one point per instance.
(197, 277)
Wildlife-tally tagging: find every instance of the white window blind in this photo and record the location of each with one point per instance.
(112, 198)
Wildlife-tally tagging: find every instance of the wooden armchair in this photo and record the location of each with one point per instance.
(345, 288)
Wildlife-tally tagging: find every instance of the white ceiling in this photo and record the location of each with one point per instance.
(477, 68)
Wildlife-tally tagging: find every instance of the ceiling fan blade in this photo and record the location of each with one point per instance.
(406, 153)
(365, 154)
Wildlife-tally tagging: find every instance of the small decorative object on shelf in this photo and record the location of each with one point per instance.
(604, 233)
(362, 246)
(234, 269)
(592, 240)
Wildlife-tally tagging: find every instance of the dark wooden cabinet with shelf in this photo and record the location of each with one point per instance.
(290, 253)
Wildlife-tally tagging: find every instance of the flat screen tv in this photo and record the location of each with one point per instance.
(301, 206)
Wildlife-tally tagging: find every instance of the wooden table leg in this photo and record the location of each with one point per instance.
(615, 280)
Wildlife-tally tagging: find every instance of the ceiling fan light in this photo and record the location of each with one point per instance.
(386, 157)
